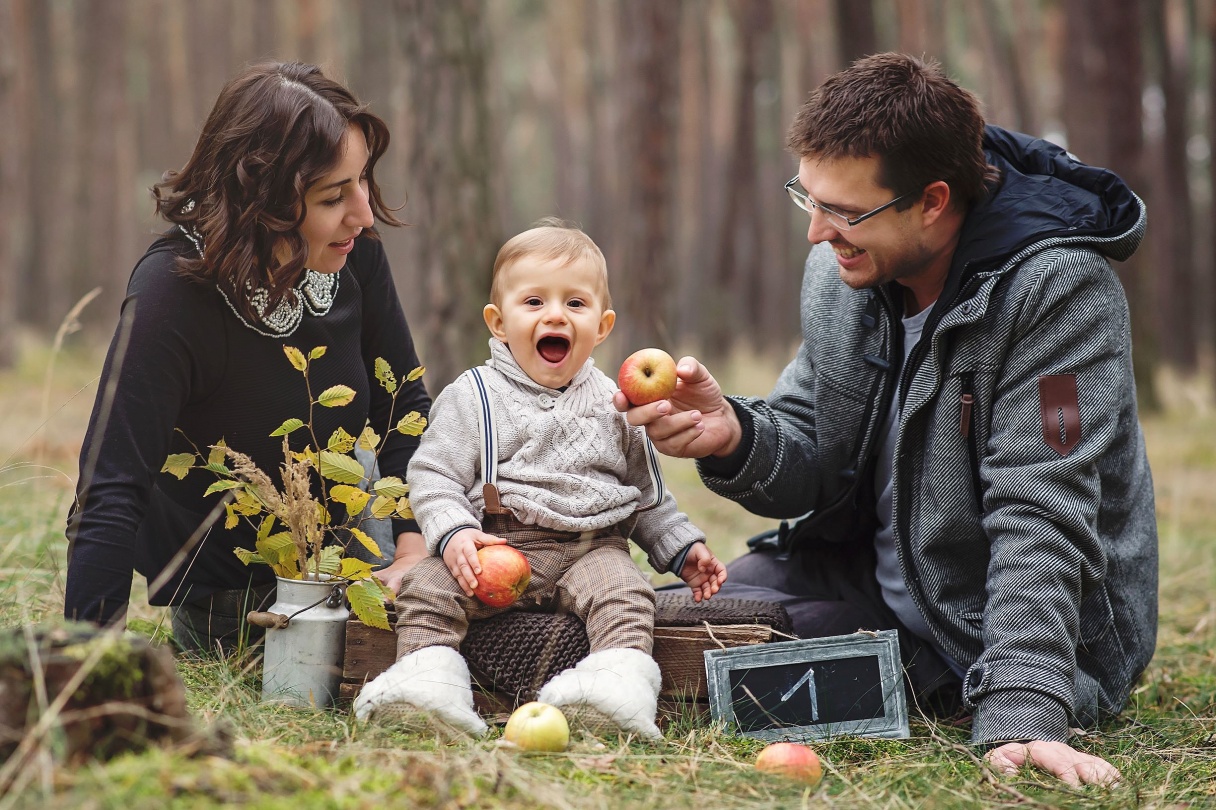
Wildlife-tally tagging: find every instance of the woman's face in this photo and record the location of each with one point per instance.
(338, 207)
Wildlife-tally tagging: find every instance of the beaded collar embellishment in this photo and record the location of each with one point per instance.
(315, 294)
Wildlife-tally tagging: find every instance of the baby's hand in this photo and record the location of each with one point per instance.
(460, 556)
(703, 572)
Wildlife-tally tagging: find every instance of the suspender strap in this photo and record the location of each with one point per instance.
(489, 447)
(656, 475)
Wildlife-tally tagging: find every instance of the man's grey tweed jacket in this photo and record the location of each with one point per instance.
(1023, 501)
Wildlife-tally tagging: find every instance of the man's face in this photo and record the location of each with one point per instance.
(890, 246)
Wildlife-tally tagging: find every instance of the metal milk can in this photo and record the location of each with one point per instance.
(305, 641)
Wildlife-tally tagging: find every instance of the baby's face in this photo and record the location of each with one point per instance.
(551, 316)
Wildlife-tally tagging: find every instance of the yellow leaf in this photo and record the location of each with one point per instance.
(383, 507)
(415, 374)
(277, 548)
(367, 603)
(367, 542)
(246, 556)
(217, 455)
(287, 427)
(354, 498)
(315, 352)
(232, 519)
(390, 487)
(403, 509)
(336, 396)
(296, 357)
(384, 373)
(265, 527)
(322, 514)
(355, 569)
(412, 424)
(340, 468)
(369, 439)
(247, 503)
(178, 464)
(341, 441)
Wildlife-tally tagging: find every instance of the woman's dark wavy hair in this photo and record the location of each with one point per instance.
(274, 130)
(919, 124)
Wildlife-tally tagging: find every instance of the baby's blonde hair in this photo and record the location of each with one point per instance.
(550, 238)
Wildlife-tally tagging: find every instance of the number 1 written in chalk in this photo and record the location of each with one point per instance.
(809, 680)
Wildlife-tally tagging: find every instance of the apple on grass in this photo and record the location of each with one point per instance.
(538, 726)
(647, 376)
(791, 760)
(505, 574)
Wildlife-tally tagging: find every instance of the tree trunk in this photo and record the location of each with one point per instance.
(855, 30)
(451, 173)
(14, 31)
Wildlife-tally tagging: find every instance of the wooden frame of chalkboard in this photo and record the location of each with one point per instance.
(811, 689)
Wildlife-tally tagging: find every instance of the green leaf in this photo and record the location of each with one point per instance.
(288, 427)
(390, 487)
(330, 560)
(384, 373)
(415, 374)
(354, 498)
(315, 352)
(382, 507)
(246, 556)
(218, 469)
(369, 439)
(412, 424)
(367, 603)
(178, 464)
(277, 548)
(217, 455)
(296, 357)
(367, 542)
(341, 441)
(336, 396)
(265, 527)
(221, 486)
(355, 569)
(340, 468)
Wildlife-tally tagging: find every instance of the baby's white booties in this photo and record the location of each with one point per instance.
(433, 680)
(615, 689)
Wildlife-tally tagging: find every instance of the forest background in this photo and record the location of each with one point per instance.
(657, 125)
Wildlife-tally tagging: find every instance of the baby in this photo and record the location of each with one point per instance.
(528, 450)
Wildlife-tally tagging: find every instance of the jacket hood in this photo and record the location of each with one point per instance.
(1045, 193)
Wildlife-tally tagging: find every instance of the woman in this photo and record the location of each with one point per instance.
(271, 246)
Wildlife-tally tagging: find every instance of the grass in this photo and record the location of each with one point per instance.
(267, 756)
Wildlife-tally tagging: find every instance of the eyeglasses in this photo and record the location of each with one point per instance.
(838, 220)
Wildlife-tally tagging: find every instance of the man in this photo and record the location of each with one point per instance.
(959, 421)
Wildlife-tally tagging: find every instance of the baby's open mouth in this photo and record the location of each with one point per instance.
(553, 349)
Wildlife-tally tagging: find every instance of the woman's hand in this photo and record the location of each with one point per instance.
(411, 547)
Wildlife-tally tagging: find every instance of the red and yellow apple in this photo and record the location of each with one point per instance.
(791, 760)
(647, 376)
(505, 574)
(538, 727)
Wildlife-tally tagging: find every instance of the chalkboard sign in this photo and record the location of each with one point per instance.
(810, 688)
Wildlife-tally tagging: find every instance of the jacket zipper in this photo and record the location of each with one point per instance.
(966, 425)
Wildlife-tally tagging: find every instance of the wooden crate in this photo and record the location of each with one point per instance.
(677, 650)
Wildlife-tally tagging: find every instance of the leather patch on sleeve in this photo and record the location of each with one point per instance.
(1061, 414)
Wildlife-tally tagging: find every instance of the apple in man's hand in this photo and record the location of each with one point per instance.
(647, 376)
(792, 760)
(505, 574)
(538, 727)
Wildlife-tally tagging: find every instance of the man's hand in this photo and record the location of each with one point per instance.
(703, 572)
(696, 422)
(411, 547)
(1056, 758)
(460, 555)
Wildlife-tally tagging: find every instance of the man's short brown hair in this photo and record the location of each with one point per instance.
(548, 239)
(920, 125)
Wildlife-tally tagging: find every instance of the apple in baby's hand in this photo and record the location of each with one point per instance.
(505, 574)
(791, 760)
(647, 376)
(538, 727)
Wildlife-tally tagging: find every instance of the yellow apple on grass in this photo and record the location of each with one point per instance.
(792, 760)
(538, 726)
(647, 376)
